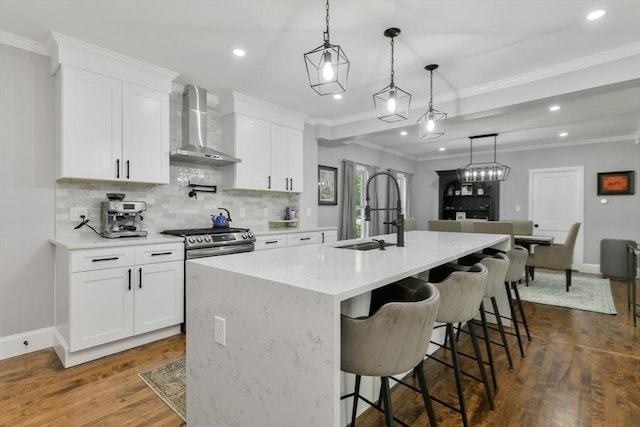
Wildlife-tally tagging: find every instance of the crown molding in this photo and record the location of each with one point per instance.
(23, 43)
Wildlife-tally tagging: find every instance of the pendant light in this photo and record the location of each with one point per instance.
(327, 65)
(489, 171)
(392, 103)
(431, 124)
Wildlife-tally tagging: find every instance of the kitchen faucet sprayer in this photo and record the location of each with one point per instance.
(399, 222)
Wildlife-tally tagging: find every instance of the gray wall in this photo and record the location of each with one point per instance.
(329, 215)
(620, 218)
(27, 191)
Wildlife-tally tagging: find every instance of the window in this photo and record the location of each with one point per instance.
(361, 180)
(402, 183)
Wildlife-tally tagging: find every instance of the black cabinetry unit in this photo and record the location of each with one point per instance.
(473, 200)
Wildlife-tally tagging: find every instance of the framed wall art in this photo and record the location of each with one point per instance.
(614, 183)
(327, 185)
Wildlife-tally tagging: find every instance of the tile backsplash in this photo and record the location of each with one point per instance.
(169, 206)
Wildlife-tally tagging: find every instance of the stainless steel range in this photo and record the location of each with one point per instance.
(206, 242)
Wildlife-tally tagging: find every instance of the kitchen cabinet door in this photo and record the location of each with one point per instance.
(101, 307)
(90, 119)
(145, 134)
(295, 160)
(159, 296)
(252, 145)
(278, 169)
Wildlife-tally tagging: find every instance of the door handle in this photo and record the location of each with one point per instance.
(129, 279)
(269, 184)
(140, 270)
(535, 225)
(128, 169)
(118, 168)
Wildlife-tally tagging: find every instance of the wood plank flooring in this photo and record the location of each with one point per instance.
(581, 369)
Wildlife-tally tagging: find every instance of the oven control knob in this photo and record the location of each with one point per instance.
(244, 235)
(199, 239)
(207, 238)
(251, 234)
(191, 239)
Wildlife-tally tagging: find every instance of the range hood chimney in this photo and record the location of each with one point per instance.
(194, 132)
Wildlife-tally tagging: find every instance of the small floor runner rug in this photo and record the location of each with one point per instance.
(169, 383)
(587, 292)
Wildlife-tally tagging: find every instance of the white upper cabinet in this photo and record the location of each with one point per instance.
(113, 125)
(269, 143)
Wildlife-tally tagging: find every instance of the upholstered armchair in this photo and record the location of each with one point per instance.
(557, 256)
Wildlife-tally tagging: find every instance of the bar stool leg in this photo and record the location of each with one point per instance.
(505, 344)
(419, 372)
(522, 314)
(487, 342)
(386, 397)
(483, 374)
(356, 393)
(514, 319)
(457, 374)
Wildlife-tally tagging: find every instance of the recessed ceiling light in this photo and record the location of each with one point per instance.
(239, 52)
(403, 133)
(563, 134)
(554, 108)
(337, 96)
(441, 149)
(596, 14)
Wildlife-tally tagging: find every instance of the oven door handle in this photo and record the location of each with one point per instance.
(218, 250)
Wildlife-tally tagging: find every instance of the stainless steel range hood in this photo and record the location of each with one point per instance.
(194, 132)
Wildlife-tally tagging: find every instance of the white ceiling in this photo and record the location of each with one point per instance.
(502, 63)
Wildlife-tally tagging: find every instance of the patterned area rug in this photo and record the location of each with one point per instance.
(587, 292)
(169, 383)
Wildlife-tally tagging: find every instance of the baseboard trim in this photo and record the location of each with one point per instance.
(25, 342)
(590, 268)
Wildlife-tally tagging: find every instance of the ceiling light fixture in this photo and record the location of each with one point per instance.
(596, 14)
(489, 171)
(563, 134)
(431, 124)
(327, 65)
(403, 133)
(239, 52)
(392, 103)
(441, 149)
(554, 108)
(337, 96)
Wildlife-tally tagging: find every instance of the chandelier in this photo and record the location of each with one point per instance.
(489, 171)
(431, 124)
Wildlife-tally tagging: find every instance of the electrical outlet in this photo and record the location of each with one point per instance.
(77, 212)
(220, 331)
(243, 212)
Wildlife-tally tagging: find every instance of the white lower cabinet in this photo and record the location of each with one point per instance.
(273, 241)
(112, 294)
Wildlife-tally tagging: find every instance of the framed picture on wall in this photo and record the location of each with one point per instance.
(327, 185)
(614, 183)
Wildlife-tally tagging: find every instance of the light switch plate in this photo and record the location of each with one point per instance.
(220, 330)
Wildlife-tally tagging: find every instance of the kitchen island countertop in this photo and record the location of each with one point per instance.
(279, 363)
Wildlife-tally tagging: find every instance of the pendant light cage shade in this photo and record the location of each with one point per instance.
(487, 171)
(327, 68)
(392, 104)
(327, 65)
(432, 124)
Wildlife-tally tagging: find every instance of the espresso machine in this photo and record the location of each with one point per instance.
(122, 219)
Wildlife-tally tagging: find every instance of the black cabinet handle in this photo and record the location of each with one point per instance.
(129, 279)
(270, 242)
(305, 238)
(140, 270)
(104, 259)
(127, 169)
(118, 168)
(535, 225)
(269, 184)
(323, 237)
(286, 183)
(290, 183)
(161, 253)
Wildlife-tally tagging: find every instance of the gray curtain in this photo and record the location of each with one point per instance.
(391, 201)
(408, 210)
(376, 219)
(348, 201)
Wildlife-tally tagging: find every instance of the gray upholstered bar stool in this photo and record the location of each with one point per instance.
(392, 341)
(443, 225)
(497, 266)
(518, 257)
(461, 293)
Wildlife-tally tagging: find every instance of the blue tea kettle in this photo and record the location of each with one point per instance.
(221, 221)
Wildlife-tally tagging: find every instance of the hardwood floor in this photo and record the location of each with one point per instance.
(581, 369)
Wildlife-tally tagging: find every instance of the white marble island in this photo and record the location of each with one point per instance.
(281, 362)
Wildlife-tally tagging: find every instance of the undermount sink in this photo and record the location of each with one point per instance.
(365, 246)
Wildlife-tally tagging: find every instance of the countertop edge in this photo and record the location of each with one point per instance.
(102, 242)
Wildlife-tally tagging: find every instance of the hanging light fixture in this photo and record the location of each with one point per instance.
(431, 124)
(489, 171)
(327, 65)
(392, 103)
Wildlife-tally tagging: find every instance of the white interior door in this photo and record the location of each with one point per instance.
(556, 200)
